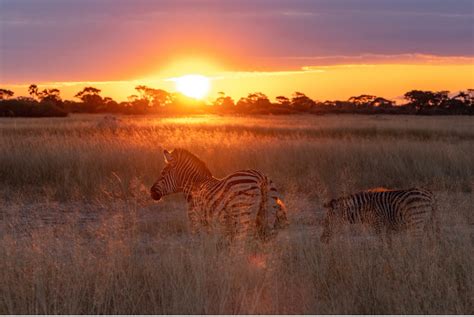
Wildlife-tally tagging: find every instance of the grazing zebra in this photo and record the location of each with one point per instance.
(410, 209)
(242, 204)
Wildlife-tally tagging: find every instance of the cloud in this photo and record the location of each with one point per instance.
(119, 39)
(369, 59)
(254, 74)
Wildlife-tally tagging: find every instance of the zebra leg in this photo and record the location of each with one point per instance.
(417, 227)
(379, 225)
(194, 221)
(193, 214)
(389, 230)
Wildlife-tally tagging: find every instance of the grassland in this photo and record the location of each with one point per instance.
(79, 234)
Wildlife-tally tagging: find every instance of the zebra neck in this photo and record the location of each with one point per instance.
(194, 184)
(355, 206)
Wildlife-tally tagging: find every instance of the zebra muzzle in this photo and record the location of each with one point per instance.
(156, 195)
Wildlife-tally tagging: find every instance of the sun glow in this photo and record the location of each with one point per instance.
(194, 86)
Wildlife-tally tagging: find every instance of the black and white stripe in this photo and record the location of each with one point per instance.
(241, 204)
(393, 210)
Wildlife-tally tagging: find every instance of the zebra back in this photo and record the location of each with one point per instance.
(411, 208)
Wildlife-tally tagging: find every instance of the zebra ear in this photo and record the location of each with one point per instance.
(168, 156)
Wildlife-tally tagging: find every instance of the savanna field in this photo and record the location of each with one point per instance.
(79, 233)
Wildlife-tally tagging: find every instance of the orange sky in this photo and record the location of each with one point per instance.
(320, 83)
(327, 49)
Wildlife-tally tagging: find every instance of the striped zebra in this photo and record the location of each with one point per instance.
(244, 203)
(393, 210)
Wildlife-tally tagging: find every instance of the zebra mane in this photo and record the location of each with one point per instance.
(182, 154)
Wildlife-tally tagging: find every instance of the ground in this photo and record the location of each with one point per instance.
(80, 234)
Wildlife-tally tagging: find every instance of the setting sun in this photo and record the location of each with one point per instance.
(194, 86)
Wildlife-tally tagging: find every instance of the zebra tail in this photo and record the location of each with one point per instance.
(281, 217)
(266, 217)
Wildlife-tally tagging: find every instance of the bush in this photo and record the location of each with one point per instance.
(30, 108)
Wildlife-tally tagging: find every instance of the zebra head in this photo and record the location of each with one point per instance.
(182, 171)
(167, 182)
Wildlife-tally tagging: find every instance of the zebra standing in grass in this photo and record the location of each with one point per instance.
(242, 204)
(393, 210)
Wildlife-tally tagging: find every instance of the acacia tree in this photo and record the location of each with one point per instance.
(46, 95)
(143, 92)
(424, 99)
(381, 102)
(223, 101)
(256, 101)
(91, 99)
(154, 97)
(466, 97)
(470, 92)
(362, 100)
(301, 102)
(87, 91)
(283, 101)
(33, 91)
(50, 95)
(5, 93)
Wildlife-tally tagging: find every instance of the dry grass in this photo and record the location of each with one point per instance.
(78, 233)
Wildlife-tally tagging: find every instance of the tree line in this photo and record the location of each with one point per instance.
(147, 100)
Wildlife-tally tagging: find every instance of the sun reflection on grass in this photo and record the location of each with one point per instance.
(198, 119)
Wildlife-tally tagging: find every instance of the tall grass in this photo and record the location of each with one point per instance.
(113, 269)
(79, 234)
(74, 159)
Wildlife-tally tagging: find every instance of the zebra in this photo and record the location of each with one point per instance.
(393, 210)
(244, 203)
